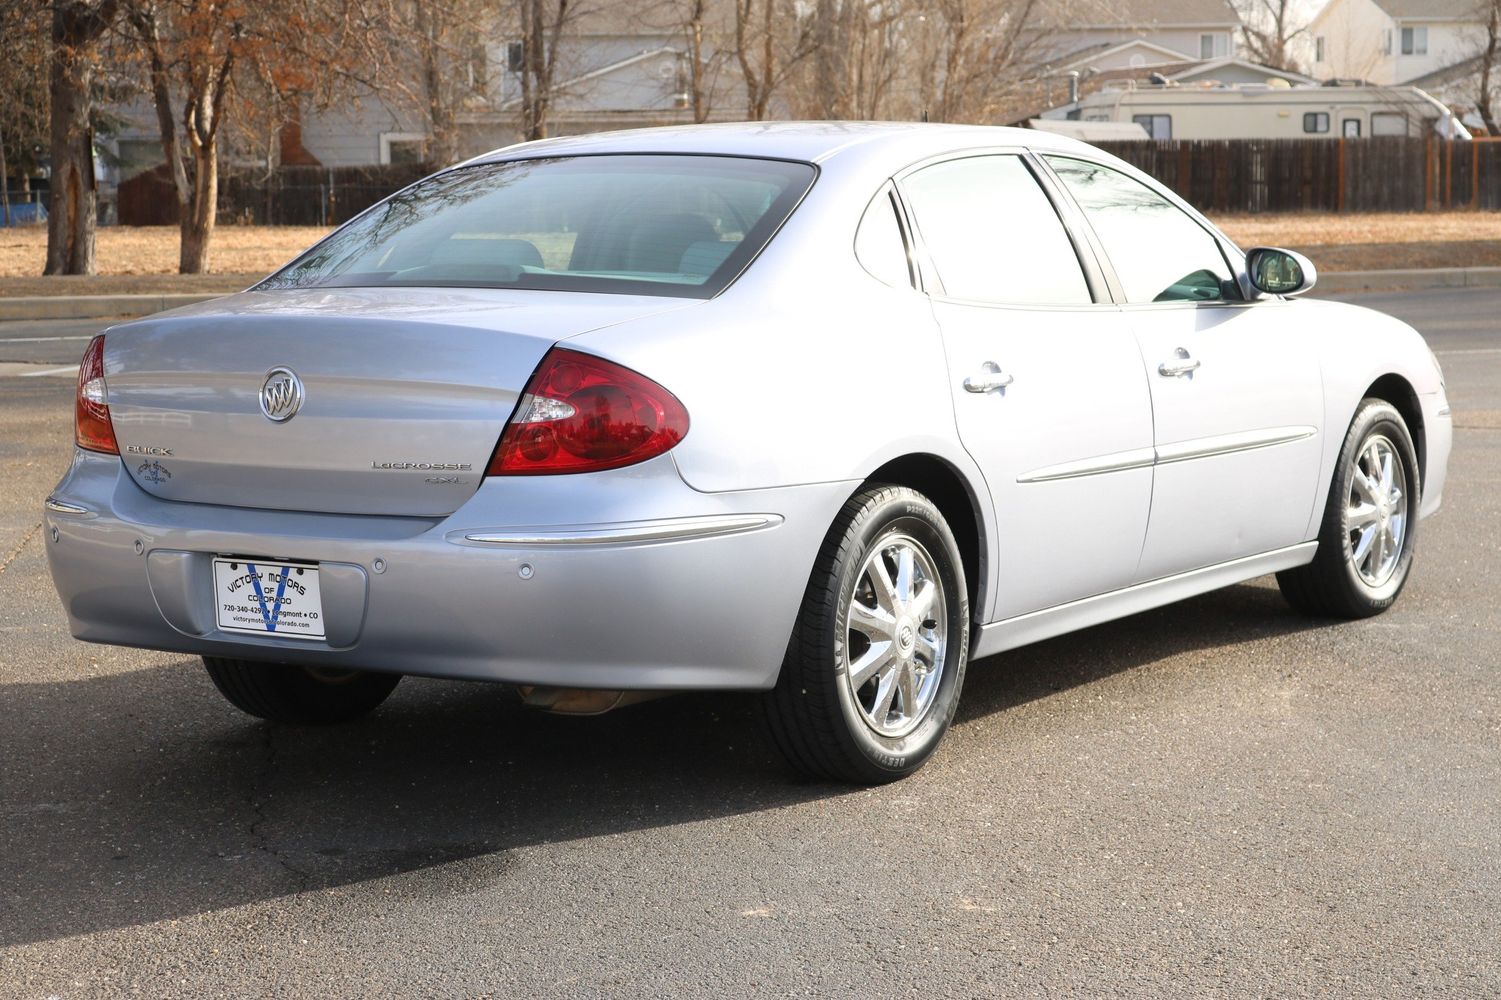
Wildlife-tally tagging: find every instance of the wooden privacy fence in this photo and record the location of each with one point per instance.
(1216, 175)
(286, 196)
(1323, 175)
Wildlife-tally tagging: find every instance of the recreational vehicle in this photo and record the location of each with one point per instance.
(1270, 110)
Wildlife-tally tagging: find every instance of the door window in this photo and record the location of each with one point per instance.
(1350, 128)
(992, 233)
(1160, 253)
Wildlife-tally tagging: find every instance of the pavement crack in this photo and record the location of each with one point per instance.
(260, 841)
(25, 539)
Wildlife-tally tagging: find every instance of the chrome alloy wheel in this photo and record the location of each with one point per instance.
(1376, 511)
(897, 637)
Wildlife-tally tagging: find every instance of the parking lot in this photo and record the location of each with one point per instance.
(1218, 798)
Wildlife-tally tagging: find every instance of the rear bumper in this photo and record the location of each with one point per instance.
(624, 579)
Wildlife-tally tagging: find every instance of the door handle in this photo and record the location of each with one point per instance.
(989, 377)
(1179, 366)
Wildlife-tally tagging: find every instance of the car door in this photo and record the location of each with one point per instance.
(1237, 395)
(1048, 389)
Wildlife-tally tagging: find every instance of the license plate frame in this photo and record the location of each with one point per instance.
(280, 598)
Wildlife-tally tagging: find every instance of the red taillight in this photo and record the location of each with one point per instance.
(91, 424)
(583, 414)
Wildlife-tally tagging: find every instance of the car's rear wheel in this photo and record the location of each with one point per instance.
(876, 662)
(1367, 538)
(282, 692)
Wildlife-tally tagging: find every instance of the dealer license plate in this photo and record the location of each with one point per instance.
(268, 597)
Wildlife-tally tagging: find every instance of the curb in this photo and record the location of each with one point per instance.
(1407, 278)
(94, 306)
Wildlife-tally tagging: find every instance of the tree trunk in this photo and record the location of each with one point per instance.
(74, 194)
(4, 183)
(1487, 66)
(197, 223)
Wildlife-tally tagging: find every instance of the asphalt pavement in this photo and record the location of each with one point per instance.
(1215, 799)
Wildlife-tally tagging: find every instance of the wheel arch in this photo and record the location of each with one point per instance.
(958, 502)
(1397, 391)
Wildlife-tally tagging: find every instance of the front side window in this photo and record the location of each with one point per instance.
(1315, 121)
(993, 235)
(643, 225)
(1160, 253)
(1388, 123)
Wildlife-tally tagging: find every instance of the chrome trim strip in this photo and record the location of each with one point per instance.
(1138, 458)
(628, 532)
(58, 507)
(1226, 444)
(1181, 451)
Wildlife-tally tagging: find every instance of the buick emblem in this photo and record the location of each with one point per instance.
(281, 394)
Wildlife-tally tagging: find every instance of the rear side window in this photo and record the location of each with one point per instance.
(655, 225)
(992, 233)
(879, 244)
(1159, 252)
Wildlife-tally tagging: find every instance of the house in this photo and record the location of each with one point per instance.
(1103, 35)
(1394, 41)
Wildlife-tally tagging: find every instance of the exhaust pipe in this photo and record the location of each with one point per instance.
(581, 701)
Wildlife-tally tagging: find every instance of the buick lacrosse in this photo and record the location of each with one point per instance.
(821, 411)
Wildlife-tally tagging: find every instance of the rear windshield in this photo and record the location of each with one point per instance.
(654, 225)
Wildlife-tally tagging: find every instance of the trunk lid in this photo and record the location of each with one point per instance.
(403, 392)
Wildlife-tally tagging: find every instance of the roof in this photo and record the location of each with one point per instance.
(814, 142)
(1149, 13)
(1432, 10)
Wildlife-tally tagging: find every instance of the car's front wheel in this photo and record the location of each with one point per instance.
(281, 692)
(1369, 531)
(876, 662)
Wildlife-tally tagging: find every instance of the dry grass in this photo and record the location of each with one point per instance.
(123, 250)
(129, 256)
(1348, 230)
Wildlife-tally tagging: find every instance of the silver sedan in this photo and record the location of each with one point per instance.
(818, 410)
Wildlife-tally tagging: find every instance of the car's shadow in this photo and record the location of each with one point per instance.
(140, 796)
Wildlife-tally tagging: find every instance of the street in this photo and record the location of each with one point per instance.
(1217, 798)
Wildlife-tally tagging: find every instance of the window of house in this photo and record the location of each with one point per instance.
(1388, 123)
(1157, 126)
(1386, 42)
(993, 235)
(1316, 121)
(1414, 41)
(1206, 46)
(403, 147)
(1160, 253)
(1318, 49)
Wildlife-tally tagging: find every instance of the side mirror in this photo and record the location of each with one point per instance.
(1280, 272)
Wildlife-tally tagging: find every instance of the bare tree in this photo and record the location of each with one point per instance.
(1491, 10)
(770, 43)
(76, 29)
(23, 81)
(1270, 29)
(542, 24)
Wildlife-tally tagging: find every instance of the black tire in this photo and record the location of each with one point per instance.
(1332, 585)
(282, 692)
(816, 718)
